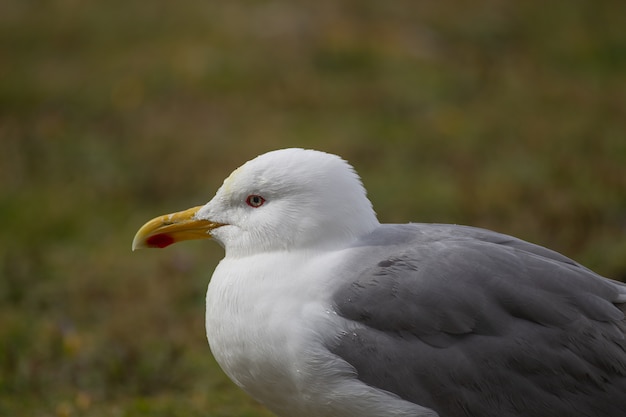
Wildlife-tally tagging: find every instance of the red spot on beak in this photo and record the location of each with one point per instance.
(160, 241)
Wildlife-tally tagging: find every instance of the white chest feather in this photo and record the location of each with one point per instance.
(258, 323)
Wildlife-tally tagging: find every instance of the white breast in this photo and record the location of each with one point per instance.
(257, 322)
(266, 320)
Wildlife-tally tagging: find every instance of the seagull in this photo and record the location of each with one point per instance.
(319, 310)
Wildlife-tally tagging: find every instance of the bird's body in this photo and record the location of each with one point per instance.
(319, 310)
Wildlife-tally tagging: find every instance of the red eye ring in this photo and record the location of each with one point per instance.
(255, 201)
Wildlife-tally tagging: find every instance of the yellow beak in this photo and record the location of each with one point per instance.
(165, 230)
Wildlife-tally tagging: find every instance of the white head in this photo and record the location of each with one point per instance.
(282, 200)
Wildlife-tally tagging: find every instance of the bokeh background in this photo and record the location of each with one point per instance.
(509, 115)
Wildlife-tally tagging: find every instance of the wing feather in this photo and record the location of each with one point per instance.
(474, 323)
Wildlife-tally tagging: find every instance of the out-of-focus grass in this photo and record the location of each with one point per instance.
(506, 115)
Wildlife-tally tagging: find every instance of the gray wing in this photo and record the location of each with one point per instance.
(474, 323)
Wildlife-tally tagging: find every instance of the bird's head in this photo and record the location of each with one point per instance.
(282, 200)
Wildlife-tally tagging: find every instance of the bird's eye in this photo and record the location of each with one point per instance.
(255, 200)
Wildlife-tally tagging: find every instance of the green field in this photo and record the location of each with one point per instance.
(509, 115)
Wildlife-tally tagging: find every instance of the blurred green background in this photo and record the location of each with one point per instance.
(509, 115)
